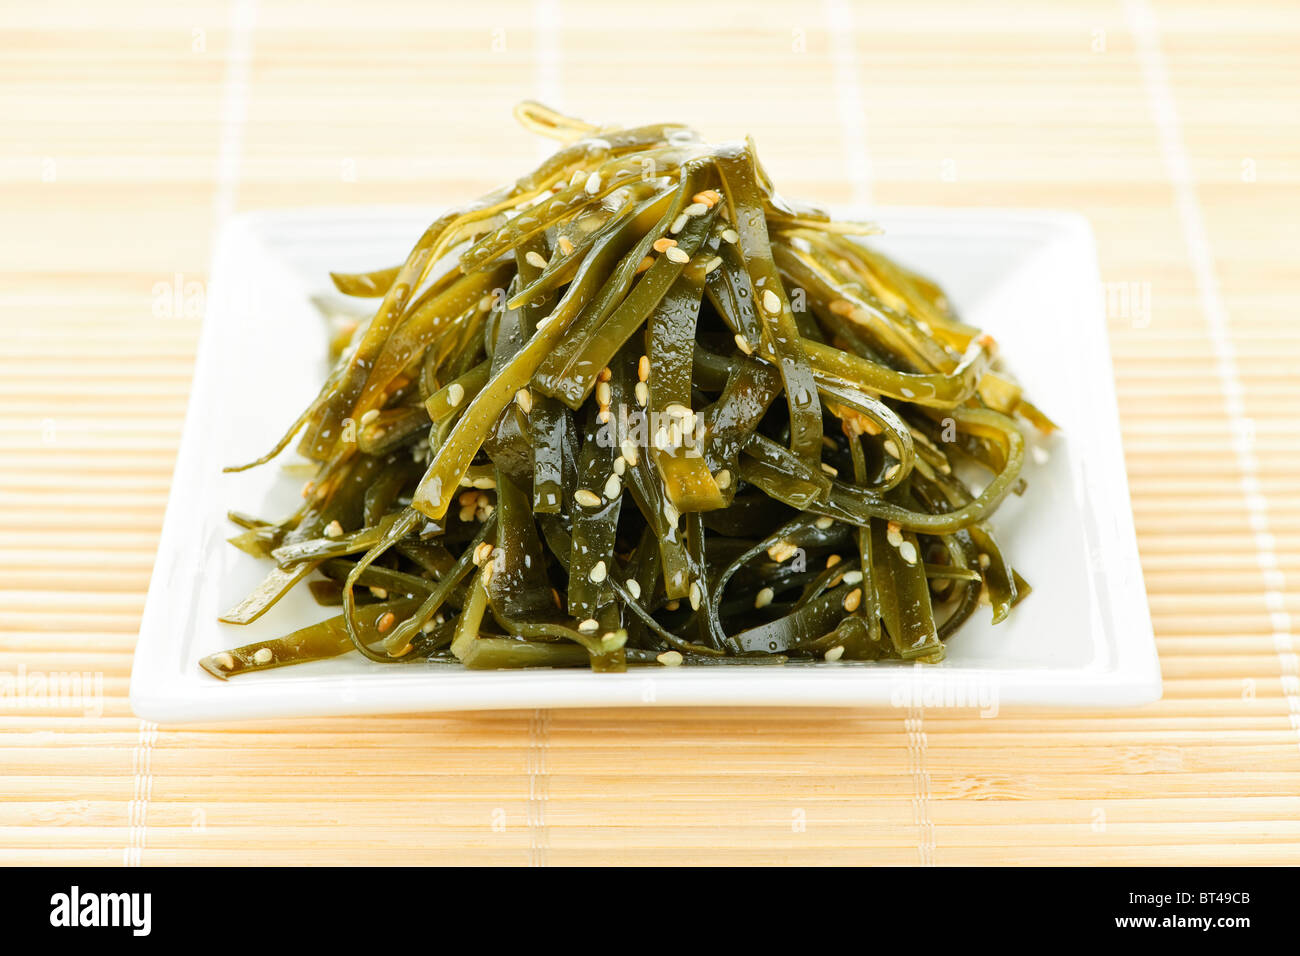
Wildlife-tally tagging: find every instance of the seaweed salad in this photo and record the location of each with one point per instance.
(637, 408)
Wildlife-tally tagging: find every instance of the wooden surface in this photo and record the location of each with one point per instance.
(128, 133)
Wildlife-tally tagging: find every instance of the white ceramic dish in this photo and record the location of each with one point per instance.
(1083, 639)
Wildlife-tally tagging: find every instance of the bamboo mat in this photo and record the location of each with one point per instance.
(130, 131)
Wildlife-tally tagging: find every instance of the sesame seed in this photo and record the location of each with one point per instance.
(263, 655)
(764, 597)
(646, 263)
(853, 577)
(835, 653)
(225, 661)
(613, 487)
(891, 449)
(907, 551)
(593, 184)
(385, 622)
(566, 245)
(369, 416)
(620, 466)
(534, 259)
(333, 529)
(602, 393)
(613, 640)
(589, 626)
(588, 499)
(830, 469)
(380, 593)
(677, 255)
(678, 224)
(482, 553)
(605, 374)
(628, 448)
(723, 479)
(467, 512)
(731, 236)
(895, 538)
(780, 551)
(695, 209)
(985, 560)
(742, 343)
(643, 368)
(832, 560)
(696, 595)
(892, 471)
(455, 394)
(524, 399)
(633, 587)
(671, 514)
(824, 522)
(771, 302)
(663, 244)
(597, 573)
(670, 659)
(706, 197)
(642, 394)
(712, 264)
(852, 600)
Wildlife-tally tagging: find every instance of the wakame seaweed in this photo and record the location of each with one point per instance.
(637, 408)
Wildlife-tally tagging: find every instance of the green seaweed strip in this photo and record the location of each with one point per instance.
(676, 436)
(594, 512)
(329, 638)
(781, 336)
(904, 597)
(869, 610)
(641, 479)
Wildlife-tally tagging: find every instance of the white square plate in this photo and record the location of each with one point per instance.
(1082, 639)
